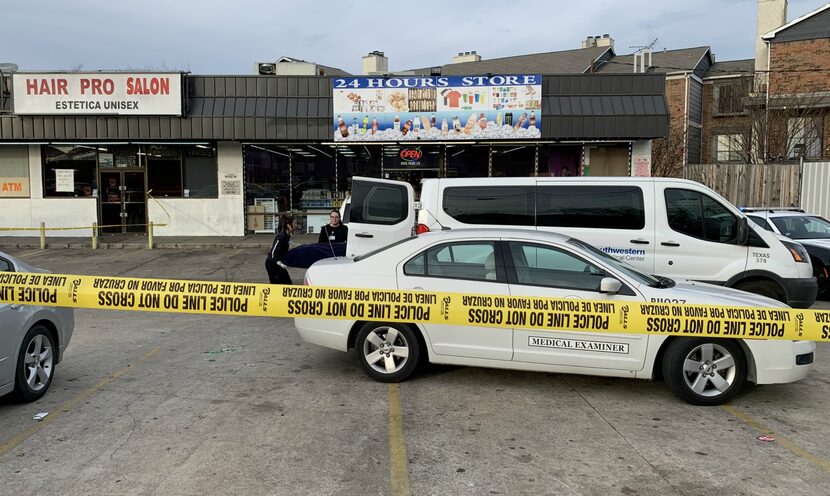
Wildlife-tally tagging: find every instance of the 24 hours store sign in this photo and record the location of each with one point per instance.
(97, 94)
(438, 108)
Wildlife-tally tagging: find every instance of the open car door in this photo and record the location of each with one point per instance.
(382, 212)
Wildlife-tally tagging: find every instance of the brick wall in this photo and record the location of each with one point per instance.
(802, 56)
(713, 125)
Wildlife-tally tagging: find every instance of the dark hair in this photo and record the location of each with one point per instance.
(335, 211)
(285, 221)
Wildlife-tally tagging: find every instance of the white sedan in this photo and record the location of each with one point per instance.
(33, 339)
(703, 371)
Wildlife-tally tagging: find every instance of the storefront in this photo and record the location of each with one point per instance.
(210, 155)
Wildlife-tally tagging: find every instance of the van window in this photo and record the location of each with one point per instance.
(700, 216)
(600, 207)
(384, 204)
(760, 221)
(502, 205)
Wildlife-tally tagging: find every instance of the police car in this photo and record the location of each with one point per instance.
(812, 231)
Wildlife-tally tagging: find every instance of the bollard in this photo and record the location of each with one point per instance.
(150, 236)
(94, 235)
(42, 235)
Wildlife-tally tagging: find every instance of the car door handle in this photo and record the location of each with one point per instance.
(15, 306)
(640, 241)
(670, 243)
(364, 235)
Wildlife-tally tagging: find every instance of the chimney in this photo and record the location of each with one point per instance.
(375, 64)
(605, 41)
(772, 14)
(589, 42)
(466, 57)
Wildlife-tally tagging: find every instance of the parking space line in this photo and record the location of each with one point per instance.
(782, 440)
(31, 253)
(399, 470)
(69, 405)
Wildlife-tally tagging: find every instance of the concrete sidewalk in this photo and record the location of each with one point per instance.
(139, 241)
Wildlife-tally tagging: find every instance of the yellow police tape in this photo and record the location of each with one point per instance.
(614, 315)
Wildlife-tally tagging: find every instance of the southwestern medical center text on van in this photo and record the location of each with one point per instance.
(625, 254)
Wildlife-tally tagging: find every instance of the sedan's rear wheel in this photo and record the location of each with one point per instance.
(704, 372)
(387, 352)
(35, 364)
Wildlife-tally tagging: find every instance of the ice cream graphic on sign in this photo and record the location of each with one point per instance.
(500, 107)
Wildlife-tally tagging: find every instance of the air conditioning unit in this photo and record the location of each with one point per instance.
(267, 68)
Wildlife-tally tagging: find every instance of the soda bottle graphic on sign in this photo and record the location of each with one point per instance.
(365, 124)
(521, 121)
(444, 127)
(432, 120)
(417, 125)
(532, 119)
(341, 125)
(482, 121)
(374, 125)
(498, 120)
(406, 126)
(456, 124)
(396, 124)
(508, 118)
(354, 125)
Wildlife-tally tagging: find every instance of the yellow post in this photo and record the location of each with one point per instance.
(150, 236)
(42, 235)
(94, 235)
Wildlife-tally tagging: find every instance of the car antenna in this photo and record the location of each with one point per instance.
(443, 227)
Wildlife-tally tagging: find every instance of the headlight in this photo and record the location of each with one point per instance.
(798, 252)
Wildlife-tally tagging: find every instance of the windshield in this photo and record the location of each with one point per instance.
(628, 270)
(384, 248)
(803, 226)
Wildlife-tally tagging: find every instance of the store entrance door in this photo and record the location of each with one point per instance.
(123, 202)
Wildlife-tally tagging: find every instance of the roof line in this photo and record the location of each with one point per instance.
(772, 33)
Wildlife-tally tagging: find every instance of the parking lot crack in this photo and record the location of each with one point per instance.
(132, 431)
(625, 439)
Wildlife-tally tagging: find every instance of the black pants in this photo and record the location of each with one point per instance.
(276, 274)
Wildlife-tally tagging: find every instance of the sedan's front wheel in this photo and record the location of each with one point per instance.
(387, 352)
(703, 371)
(35, 364)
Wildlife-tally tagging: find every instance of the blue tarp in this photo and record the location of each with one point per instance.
(305, 255)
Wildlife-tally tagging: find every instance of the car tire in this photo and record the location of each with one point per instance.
(820, 271)
(387, 352)
(763, 288)
(35, 365)
(704, 371)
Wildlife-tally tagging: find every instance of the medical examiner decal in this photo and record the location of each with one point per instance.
(578, 345)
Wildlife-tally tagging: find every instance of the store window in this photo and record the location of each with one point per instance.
(180, 170)
(467, 160)
(560, 160)
(69, 171)
(14, 172)
(366, 161)
(412, 163)
(513, 161)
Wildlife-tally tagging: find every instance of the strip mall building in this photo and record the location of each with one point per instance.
(223, 155)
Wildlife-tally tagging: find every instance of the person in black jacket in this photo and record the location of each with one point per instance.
(334, 231)
(277, 270)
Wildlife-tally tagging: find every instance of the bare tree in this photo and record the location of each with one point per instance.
(754, 127)
(667, 155)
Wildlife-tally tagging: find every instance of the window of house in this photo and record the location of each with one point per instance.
(14, 172)
(729, 148)
(729, 98)
(804, 137)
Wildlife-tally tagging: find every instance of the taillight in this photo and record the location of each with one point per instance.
(421, 229)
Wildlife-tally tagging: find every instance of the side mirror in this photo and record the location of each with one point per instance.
(742, 236)
(609, 285)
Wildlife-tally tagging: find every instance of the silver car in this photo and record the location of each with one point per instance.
(32, 341)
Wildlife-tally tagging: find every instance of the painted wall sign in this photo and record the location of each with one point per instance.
(437, 108)
(97, 93)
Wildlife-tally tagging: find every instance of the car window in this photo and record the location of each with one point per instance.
(472, 260)
(698, 215)
(383, 204)
(540, 265)
(803, 227)
(600, 207)
(760, 221)
(6, 266)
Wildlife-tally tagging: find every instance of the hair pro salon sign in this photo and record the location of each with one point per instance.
(97, 94)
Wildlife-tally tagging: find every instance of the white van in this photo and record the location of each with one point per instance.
(671, 227)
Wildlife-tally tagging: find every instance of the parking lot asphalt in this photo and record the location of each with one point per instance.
(152, 403)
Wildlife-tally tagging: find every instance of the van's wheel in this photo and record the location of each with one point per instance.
(764, 288)
(35, 365)
(387, 352)
(704, 371)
